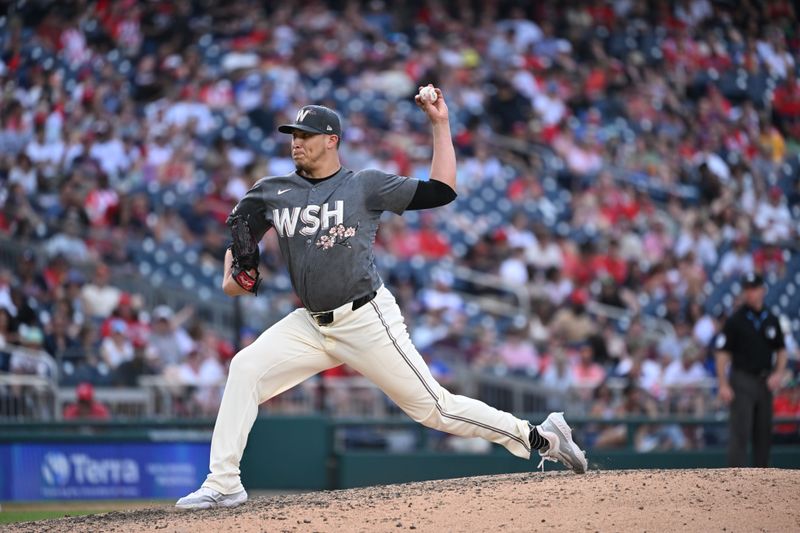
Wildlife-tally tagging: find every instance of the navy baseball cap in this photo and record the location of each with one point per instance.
(315, 119)
(751, 280)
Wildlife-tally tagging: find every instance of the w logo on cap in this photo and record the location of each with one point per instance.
(301, 115)
(314, 119)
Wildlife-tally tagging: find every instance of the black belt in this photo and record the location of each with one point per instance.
(326, 317)
(759, 374)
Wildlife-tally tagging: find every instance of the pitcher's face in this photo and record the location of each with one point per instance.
(309, 150)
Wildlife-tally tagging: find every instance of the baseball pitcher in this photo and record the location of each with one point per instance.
(326, 217)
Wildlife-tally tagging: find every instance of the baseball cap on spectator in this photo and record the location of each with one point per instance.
(315, 119)
(139, 342)
(30, 334)
(775, 192)
(579, 297)
(162, 312)
(752, 280)
(74, 277)
(692, 351)
(442, 277)
(84, 392)
(118, 326)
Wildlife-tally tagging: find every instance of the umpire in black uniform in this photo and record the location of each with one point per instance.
(751, 344)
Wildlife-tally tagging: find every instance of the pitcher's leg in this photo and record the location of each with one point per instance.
(283, 356)
(382, 351)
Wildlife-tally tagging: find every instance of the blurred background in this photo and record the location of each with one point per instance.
(621, 165)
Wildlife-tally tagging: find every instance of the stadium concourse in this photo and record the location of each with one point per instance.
(621, 164)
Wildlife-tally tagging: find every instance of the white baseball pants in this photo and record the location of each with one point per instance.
(373, 340)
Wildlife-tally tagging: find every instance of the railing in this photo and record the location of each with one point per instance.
(35, 398)
(125, 403)
(494, 305)
(654, 327)
(24, 360)
(418, 437)
(524, 395)
(25, 398)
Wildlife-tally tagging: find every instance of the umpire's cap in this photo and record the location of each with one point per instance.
(752, 280)
(315, 119)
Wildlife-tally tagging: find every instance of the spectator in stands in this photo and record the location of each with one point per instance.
(640, 370)
(769, 259)
(586, 372)
(786, 105)
(99, 296)
(544, 253)
(556, 287)
(518, 354)
(142, 364)
(30, 279)
(610, 294)
(129, 311)
(25, 174)
(73, 287)
(605, 406)
(85, 365)
(459, 342)
(609, 262)
(555, 365)
(518, 233)
(168, 339)
(572, 324)
(204, 377)
(773, 218)
(441, 295)
(787, 404)
(45, 154)
(695, 239)
(513, 269)
(69, 241)
(29, 357)
(60, 341)
(8, 330)
(86, 407)
(116, 348)
(675, 342)
(738, 260)
(657, 242)
(683, 379)
(431, 329)
(706, 326)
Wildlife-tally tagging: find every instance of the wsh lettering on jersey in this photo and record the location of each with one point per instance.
(312, 217)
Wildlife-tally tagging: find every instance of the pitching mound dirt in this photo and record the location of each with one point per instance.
(629, 500)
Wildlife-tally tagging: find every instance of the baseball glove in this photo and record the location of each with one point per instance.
(244, 249)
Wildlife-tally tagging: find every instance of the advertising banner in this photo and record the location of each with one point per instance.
(53, 471)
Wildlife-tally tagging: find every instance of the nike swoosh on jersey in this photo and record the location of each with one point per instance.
(281, 191)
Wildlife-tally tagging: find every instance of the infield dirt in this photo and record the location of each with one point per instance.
(629, 500)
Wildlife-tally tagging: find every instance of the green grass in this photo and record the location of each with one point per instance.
(8, 517)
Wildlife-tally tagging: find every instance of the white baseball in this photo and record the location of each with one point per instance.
(428, 94)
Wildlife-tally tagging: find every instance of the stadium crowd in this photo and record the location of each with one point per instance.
(648, 153)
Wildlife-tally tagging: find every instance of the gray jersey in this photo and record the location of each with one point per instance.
(326, 229)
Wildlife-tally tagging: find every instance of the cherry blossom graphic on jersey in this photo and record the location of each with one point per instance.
(338, 234)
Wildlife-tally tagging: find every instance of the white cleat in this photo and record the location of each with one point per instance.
(561, 446)
(205, 498)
